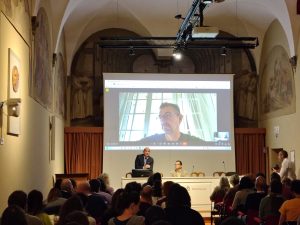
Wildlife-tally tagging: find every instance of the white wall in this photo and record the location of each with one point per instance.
(24, 160)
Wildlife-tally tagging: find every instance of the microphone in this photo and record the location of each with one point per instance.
(193, 169)
(224, 166)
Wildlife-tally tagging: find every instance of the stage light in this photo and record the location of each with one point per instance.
(177, 54)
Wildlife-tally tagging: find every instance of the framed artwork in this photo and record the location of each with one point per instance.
(14, 75)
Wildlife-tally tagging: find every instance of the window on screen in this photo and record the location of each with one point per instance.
(138, 113)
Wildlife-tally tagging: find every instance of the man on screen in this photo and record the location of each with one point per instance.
(170, 119)
(144, 161)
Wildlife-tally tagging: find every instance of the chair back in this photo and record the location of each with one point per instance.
(218, 173)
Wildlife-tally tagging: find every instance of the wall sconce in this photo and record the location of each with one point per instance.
(293, 62)
(54, 59)
(13, 116)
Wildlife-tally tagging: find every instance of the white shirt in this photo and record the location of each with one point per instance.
(287, 169)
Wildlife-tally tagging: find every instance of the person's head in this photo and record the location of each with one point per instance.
(15, 78)
(13, 215)
(276, 187)
(18, 198)
(275, 176)
(35, 202)
(66, 185)
(103, 186)
(83, 187)
(58, 183)
(282, 154)
(72, 204)
(95, 185)
(128, 201)
(133, 187)
(154, 213)
(146, 193)
(146, 152)
(234, 179)
(53, 194)
(178, 197)
(224, 183)
(166, 187)
(260, 183)
(170, 117)
(246, 183)
(296, 187)
(178, 165)
(78, 217)
(105, 178)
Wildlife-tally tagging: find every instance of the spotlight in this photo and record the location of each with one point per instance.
(131, 51)
(223, 51)
(207, 1)
(177, 54)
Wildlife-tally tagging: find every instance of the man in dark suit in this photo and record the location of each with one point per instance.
(144, 161)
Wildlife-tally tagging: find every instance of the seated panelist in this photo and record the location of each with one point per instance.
(144, 161)
(179, 171)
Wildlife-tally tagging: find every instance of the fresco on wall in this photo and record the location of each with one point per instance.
(17, 11)
(42, 81)
(245, 94)
(59, 86)
(277, 89)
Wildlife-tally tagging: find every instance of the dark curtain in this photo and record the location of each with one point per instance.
(298, 7)
(250, 151)
(83, 150)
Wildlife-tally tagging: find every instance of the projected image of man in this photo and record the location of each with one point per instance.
(170, 120)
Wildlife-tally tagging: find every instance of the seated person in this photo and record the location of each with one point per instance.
(245, 188)
(229, 196)
(220, 191)
(253, 200)
(290, 210)
(170, 119)
(144, 161)
(179, 171)
(270, 204)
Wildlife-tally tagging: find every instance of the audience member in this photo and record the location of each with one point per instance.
(103, 191)
(66, 188)
(287, 189)
(35, 206)
(127, 207)
(232, 220)
(229, 196)
(253, 199)
(112, 209)
(133, 187)
(153, 214)
(156, 187)
(165, 191)
(290, 210)
(13, 215)
(95, 204)
(58, 183)
(145, 200)
(72, 204)
(219, 192)
(78, 217)
(178, 210)
(105, 178)
(270, 204)
(275, 176)
(245, 188)
(19, 198)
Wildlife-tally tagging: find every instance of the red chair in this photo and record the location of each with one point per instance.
(251, 215)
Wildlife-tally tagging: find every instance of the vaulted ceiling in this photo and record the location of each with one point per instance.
(81, 18)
